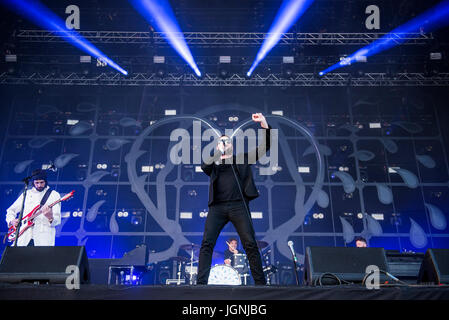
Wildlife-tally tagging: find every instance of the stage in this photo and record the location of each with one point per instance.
(228, 293)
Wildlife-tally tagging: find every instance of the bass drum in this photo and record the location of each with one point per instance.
(223, 274)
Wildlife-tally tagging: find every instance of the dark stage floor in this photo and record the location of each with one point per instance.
(229, 293)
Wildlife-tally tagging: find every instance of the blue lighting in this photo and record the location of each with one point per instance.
(429, 21)
(165, 22)
(288, 13)
(43, 17)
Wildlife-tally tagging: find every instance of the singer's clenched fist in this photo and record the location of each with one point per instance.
(258, 117)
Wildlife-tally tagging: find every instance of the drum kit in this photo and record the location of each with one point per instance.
(221, 274)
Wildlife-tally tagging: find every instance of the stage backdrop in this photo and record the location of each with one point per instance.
(384, 164)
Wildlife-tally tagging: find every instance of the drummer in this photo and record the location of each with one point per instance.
(232, 249)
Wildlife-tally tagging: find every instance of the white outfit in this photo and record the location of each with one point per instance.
(43, 232)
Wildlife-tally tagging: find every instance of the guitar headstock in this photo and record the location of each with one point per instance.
(68, 196)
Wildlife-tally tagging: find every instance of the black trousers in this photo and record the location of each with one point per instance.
(219, 215)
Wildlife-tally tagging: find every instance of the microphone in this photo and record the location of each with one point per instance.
(290, 245)
(222, 151)
(52, 167)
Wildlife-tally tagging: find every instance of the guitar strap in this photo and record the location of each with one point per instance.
(45, 197)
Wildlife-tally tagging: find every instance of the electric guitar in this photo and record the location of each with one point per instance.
(28, 220)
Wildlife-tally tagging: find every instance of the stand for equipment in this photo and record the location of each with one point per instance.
(26, 181)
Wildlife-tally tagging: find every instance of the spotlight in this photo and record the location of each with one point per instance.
(160, 71)
(223, 73)
(431, 69)
(55, 71)
(11, 66)
(85, 70)
(344, 60)
(85, 59)
(287, 66)
(101, 62)
(357, 72)
(224, 66)
(10, 58)
(85, 64)
(160, 68)
(434, 65)
(11, 70)
(288, 59)
(436, 56)
(158, 59)
(114, 130)
(136, 220)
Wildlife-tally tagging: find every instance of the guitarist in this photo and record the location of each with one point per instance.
(43, 232)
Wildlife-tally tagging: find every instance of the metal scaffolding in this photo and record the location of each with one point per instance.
(226, 39)
(234, 80)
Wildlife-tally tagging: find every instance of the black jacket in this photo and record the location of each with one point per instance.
(243, 171)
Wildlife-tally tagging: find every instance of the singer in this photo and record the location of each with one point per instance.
(43, 232)
(231, 188)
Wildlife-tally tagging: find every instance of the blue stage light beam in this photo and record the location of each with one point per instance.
(159, 13)
(288, 13)
(429, 21)
(46, 19)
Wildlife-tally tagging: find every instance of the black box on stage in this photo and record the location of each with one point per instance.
(404, 265)
(42, 264)
(435, 267)
(99, 270)
(323, 265)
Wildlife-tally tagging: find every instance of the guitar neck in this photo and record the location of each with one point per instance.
(55, 203)
(38, 212)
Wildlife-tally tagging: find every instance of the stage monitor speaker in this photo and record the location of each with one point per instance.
(42, 264)
(435, 267)
(332, 265)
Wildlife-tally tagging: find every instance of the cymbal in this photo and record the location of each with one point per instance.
(262, 244)
(189, 247)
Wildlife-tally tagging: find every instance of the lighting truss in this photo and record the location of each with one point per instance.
(226, 39)
(234, 80)
(431, 20)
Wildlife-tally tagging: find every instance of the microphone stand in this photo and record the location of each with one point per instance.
(25, 189)
(295, 266)
(296, 271)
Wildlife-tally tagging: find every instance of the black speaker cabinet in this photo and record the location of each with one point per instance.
(324, 264)
(42, 264)
(435, 267)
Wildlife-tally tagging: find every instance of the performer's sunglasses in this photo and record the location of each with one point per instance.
(225, 140)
